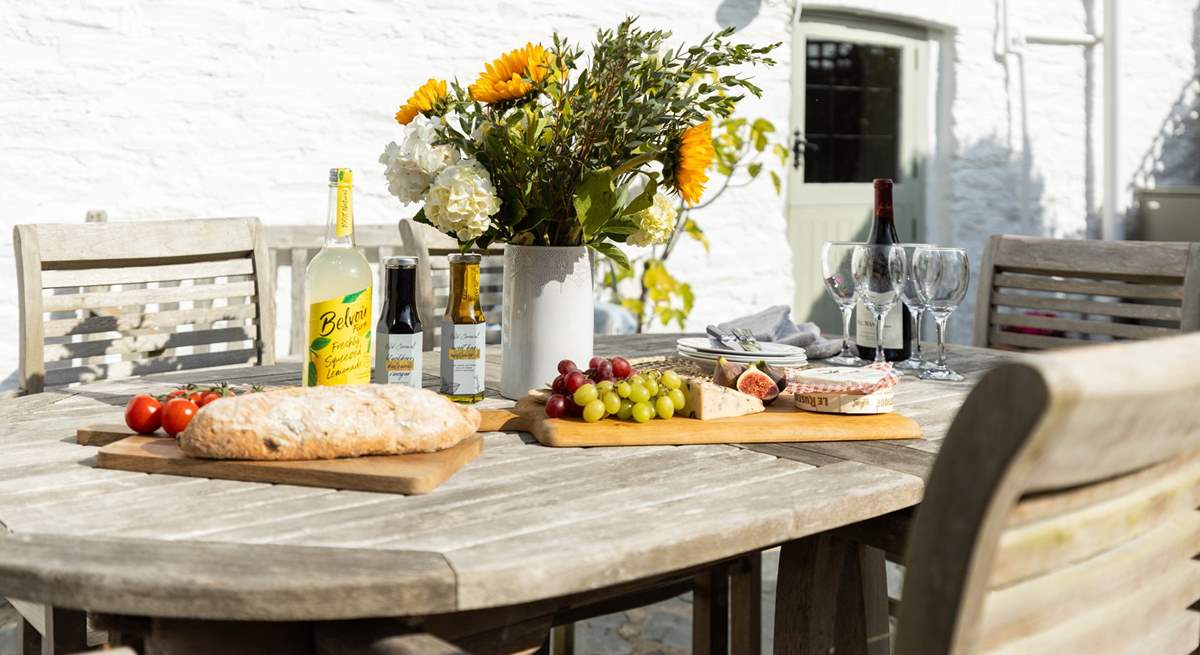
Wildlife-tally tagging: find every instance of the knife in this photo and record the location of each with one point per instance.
(726, 339)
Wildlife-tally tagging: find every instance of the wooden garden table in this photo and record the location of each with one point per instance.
(522, 536)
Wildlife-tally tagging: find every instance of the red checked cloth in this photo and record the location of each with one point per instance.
(885, 380)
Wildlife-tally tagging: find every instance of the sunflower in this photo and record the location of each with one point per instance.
(512, 75)
(428, 97)
(694, 154)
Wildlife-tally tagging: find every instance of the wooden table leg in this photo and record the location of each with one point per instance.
(29, 640)
(831, 597)
(710, 611)
(745, 605)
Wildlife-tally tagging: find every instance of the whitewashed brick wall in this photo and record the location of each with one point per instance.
(150, 109)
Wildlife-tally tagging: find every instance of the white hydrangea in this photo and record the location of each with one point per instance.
(415, 162)
(655, 222)
(462, 200)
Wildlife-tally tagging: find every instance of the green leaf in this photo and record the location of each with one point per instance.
(351, 297)
(777, 182)
(312, 374)
(594, 199)
(614, 253)
(319, 343)
(692, 229)
(644, 199)
(754, 169)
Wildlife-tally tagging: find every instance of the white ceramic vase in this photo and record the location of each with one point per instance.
(547, 314)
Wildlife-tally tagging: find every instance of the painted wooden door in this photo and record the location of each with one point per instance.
(859, 111)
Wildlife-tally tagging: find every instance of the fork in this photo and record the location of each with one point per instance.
(746, 338)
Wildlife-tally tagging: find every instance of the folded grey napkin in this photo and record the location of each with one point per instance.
(775, 324)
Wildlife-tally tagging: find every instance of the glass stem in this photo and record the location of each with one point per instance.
(879, 358)
(941, 338)
(846, 312)
(917, 314)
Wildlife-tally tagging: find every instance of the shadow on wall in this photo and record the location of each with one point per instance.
(737, 13)
(1173, 156)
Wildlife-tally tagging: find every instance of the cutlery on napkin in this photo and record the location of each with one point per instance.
(775, 324)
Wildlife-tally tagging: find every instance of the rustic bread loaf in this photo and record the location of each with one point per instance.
(328, 422)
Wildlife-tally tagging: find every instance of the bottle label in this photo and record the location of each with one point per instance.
(402, 361)
(344, 225)
(462, 359)
(893, 327)
(340, 350)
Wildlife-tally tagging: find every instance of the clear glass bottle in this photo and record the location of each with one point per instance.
(399, 341)
(463, 333)
(337, 295)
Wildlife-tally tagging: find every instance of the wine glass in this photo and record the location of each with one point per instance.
(836, 258)
(943, 275)
(878, 276)
(910, 297)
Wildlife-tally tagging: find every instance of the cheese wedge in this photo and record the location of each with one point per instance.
(706, 400)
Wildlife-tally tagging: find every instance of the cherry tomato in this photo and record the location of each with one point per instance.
(196, 397)
(177, 413)
(143, 414)
(207, 397)
(175, 393)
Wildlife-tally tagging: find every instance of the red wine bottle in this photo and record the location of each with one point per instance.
(897, 325)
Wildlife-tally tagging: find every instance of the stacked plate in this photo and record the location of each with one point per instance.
(706, 351)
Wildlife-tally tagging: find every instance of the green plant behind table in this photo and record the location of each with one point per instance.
(549, 147)
(742, 149)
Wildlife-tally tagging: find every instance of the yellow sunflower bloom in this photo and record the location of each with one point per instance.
(695, 154)
(512, 75)
(427, 97)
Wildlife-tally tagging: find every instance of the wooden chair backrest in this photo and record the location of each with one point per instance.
(1038, 293)
(294, 245)
(1060, 515)
(104, 300)
(433, 276)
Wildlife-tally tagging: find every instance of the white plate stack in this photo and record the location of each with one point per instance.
(705, 351)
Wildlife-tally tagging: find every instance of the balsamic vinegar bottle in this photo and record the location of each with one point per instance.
(897, 325)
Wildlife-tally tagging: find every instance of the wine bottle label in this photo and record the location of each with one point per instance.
(340, 350)
(462, 358)
(893, 327)
(402, 361)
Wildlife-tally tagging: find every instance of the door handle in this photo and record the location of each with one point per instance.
(798, 146)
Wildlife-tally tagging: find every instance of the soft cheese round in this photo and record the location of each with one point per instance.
(328, 422)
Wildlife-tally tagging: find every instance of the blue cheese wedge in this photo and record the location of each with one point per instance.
(706, 401)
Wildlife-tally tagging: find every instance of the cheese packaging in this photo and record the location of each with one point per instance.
(879, 402)
(707, 400)
(844, 390)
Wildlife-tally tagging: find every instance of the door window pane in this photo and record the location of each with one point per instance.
(852, 112)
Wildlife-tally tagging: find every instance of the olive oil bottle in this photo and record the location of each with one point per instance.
(463, 333)
(337, 295)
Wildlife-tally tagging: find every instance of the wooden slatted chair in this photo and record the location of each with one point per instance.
(433, 274)
(1037, 293)
(295, 245)
(1061, 513)
(104, 300)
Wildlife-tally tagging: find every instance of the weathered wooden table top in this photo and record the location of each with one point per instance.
(521, 523)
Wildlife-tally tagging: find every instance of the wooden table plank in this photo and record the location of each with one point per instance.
(521, 523)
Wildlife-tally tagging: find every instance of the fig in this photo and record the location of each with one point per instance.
(776, 374)
(756, 383)
(727, 372)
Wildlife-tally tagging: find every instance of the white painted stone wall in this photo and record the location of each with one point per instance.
(152, 109)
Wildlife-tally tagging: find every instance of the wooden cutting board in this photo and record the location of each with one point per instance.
(781, 422)
(416, 473)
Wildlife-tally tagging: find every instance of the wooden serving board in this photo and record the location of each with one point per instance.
(781, 422)
(416, 473)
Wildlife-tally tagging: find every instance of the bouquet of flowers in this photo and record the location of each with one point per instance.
(545, 149)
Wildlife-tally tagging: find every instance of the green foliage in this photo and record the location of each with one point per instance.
(566, 157)
(743, 149)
